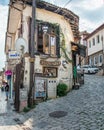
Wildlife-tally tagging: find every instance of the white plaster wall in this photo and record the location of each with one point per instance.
(98, 46)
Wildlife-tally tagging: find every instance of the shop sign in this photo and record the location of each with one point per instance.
(8, 72)
(14, 55)
(50, 63)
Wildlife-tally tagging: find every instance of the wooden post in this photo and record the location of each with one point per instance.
(31, 88)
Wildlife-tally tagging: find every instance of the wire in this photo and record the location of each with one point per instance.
(63, 6)
(67, 3)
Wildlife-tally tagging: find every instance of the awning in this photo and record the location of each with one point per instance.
(79, 49)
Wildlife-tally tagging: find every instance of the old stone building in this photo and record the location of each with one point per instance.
(55, 29)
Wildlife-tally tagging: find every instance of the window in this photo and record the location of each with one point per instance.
(100, 58)
(46, 43)
(93, 41)
(102, 38)
(40, 39)
(53, 45)
(91, 61)
(49, 44)
(98, 39)
(48, 40)
(95, 60)
(89, 44)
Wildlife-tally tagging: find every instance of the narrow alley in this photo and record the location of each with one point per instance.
(81, 109)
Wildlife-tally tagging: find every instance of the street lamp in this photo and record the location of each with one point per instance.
(45, 29)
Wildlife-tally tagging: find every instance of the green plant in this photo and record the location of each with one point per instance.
(26, 109)
(61, 89)
(63, 48)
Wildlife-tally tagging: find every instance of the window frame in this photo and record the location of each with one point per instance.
(51, 32)
(93, 41)
(89, 44)
(100, 58)
(98, 39)
(95, 60)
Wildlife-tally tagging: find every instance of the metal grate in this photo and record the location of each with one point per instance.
(58, 114)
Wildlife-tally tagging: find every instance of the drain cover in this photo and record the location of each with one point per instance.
(58, 114)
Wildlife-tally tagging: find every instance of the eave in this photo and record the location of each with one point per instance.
(72, 18)
(95, 31)
(14, 17)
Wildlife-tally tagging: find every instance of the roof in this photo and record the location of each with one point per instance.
(72, 18)
(95, 31)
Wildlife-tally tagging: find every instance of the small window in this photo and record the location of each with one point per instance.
(89, 44)
(93, 41)
(53, 45)
(49, 44)
(95, 60)
(40, 38)
(102, 38)
(91, 61)
(98, 39)
(100, 58)
(46, 45)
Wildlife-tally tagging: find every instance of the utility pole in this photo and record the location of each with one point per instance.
(31, 88)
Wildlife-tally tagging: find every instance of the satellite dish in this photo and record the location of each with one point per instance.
(21, 46)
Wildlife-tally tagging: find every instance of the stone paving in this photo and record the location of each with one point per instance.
(84, 108)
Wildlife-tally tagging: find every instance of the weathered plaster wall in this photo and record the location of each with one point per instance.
(27, 73)
(65, 75)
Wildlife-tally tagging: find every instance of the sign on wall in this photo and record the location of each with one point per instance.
(50, 63)
(40, 88)
(13, 55)
(8, 72)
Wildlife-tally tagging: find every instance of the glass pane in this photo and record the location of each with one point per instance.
(46, 43)
(53, 45)
(40, 39)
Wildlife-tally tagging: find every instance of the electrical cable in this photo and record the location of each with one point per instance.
(67, 3)
(64, 5)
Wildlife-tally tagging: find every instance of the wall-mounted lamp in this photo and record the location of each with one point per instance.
(64, 63)
(45, 28)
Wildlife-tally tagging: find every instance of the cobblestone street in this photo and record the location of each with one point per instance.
(83, 108)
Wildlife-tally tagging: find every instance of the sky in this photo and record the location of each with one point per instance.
(90, 12)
